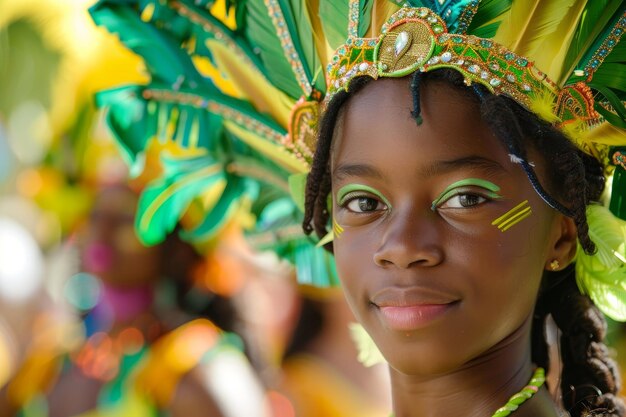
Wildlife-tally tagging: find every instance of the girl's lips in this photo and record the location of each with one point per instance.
(98, 258)
(412, 317)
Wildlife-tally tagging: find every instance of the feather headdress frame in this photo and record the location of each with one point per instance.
(237, 87)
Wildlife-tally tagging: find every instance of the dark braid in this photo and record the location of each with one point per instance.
(590, 378)
(316, 214)
(415, 92)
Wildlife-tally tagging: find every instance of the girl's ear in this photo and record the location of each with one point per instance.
(564, 244)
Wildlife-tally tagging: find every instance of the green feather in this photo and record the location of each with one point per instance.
(589, 34)
(603, 275)
(165, 61)
(610, 117)
(259, 31)
(128, 119)
(618, 187)
(605, 288)
(200, 35)
(164, 201)
(334, 19)
(609, 235)
(299, 25)
(218, 215)
(488, 17)
(297, 187)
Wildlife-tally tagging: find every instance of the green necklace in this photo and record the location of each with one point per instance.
(537, 380)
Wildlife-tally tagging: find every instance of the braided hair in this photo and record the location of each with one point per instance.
(590, 378)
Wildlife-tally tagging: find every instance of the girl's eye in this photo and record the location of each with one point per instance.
(463, 201)
(364, 205)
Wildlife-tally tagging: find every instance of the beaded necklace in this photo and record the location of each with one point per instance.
(536, 381)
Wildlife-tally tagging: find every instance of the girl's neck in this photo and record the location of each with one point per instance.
(476, 389)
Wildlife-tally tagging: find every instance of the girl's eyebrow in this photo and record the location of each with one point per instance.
(468, 162)
(437, 168)
(356, 170)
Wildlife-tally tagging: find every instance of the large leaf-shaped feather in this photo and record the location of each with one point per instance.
(595, 19)
(603, 275)
(223, 210)
(529, 22)
(488, 17)
(163, 202)
(334, 19)
(259, 30)
(164, 59)
(607, 288)
(609, 234)
(298, 21)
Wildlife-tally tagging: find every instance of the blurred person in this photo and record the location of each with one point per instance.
(147, 350)
(322, 372)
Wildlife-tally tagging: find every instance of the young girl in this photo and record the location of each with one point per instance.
(456, 214)
(458, 168)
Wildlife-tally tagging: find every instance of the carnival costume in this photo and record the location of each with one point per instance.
(229, 120)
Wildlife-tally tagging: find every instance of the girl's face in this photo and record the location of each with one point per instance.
(430, 275)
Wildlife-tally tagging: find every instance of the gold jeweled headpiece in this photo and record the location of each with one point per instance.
(417, 39)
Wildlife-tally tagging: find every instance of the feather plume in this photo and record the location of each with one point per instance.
(373, 15)
(555, 45)
(369, 355)
(607, 289)
(602, 275)
(595, 20)
(334, 19)
(543, 105)
(609, 234)
(529, 22)
(259, 31)
(488, 17)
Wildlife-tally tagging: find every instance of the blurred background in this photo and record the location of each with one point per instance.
(93, 323)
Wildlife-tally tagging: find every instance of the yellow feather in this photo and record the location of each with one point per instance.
(529, 22)
(381, 11)
(551, 51)
(325, 51)
(543, 105)
(369, 355)
(251, 84)
(606, 134)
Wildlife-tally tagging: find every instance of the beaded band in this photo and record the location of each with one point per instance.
(417, 39)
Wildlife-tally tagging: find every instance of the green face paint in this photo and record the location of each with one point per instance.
(349, 191)
(490, 190)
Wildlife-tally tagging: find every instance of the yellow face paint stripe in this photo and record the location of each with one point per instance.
(513, 216)
(508, 213)
(528, 213)
(338, 230)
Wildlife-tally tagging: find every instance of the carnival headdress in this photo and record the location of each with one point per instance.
(237, 89)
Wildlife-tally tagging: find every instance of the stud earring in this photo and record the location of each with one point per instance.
(554, 265)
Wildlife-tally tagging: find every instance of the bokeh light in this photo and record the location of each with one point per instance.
(21, 263)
